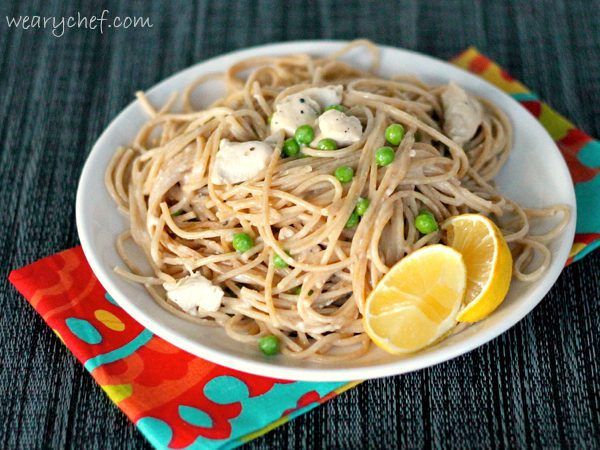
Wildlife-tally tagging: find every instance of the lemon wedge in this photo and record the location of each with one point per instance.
(488, 261)
(417, 301)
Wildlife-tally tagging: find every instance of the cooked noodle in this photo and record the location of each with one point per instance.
(184, 223)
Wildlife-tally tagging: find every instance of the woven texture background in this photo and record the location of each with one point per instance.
(536, 386)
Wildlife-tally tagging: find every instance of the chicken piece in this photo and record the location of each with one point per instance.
(462, 114)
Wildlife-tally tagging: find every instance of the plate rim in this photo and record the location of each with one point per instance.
(326, 372)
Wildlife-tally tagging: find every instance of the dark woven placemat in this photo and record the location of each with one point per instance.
(536, 386)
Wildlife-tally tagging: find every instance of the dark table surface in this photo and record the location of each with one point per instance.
(536, 386)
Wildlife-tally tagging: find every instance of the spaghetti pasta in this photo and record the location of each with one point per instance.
(297, 211)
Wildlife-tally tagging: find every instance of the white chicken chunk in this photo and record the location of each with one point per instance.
(343, 129)
(293, 111)
(236, 162)
(462, 114)
(195, 295)
(303, 108)
(325, 96)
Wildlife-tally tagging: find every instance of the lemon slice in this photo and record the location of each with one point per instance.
(488, 261)
(417, 301)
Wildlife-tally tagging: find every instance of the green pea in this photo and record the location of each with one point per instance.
(177, 213)
(327, 144)
(291, 147)
(304, 134)
(269, 345)
(384, 156)
(242, 242)
(352, 220)
(279, 262)
(339, 108)
(344, 174)
(394, 133)
(425, 222)
(361, 206)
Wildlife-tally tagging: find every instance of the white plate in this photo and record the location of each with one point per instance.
(535, 175)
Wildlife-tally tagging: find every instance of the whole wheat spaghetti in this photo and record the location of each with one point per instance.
(296, 210)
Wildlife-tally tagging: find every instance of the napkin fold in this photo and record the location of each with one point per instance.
(178, 400)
